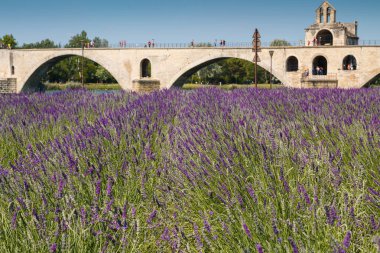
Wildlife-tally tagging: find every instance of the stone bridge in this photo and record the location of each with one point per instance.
(343, 66)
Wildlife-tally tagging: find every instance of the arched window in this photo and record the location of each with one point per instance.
(321, 15)
(319, 66)
(292, 64)
(13, 70)
(146, 69)
(349, 63)
(328, 15)
(325, 38)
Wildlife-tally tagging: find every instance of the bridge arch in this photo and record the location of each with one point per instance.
(35, 75)
(180, 78)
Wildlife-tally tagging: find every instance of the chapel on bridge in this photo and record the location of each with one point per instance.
(327, 32)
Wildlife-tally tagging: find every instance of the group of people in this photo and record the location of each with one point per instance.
(314, 42)
(222, 43)
(90, 44)
(349, 67)
(319, 71)
(150, 43)
(123, 43)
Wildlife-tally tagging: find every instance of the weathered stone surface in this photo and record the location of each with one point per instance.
(8, 85)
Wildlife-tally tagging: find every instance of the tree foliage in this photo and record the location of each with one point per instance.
(9, 41)
(279, 43)
(229, 71)
(46, 43)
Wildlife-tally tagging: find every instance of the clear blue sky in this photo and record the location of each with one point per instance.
(176, 20)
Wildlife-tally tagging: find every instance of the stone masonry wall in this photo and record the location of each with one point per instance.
(8, 85)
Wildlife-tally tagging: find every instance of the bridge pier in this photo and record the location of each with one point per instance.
(146, 85)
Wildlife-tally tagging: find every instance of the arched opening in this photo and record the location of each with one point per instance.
(325, 38)
(328, 15)
(65, 71)
(225, 72)
(321, 15)
(292, 64)
(13, 70)
(319, 66)
(146, 69)
(349, 63)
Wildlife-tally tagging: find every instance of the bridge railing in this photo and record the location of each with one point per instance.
(299, 43)
(216, 44)
(328, 77)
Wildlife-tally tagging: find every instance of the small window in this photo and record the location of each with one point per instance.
(146, 69)
(292, 64)
(13, 70)
(349, 63)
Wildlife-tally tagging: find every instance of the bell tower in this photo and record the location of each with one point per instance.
(326, 31)
(325, 14)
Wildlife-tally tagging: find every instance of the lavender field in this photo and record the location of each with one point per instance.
(191, 171)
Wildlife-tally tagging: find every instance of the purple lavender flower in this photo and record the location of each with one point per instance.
(259, 248)
(109, 187)
(124, 213)
(151, 216)
(207, 225)
(275, 230)
(165, 235)
(294, 246)
(83, 216)
(98, 186)
(371, 190)
(197, 236)
(251, 192)
(53, 248)
(347, 240)
(14, 219)
(302, 190)
(247, 231)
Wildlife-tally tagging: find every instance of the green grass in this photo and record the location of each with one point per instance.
(88, 86)
(192, 86)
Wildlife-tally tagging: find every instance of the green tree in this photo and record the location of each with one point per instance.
(100, 43)
(47, 43)
(9, 40)
(103, 76)
(229, 71)
(77, 40)
(279, 43)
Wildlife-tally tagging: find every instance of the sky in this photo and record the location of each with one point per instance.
(175, 21)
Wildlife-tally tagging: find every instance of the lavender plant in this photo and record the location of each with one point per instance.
(191, 171)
